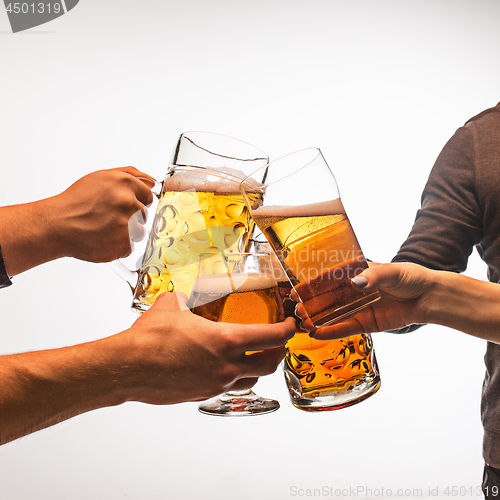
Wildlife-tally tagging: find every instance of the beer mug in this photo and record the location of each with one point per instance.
(200, 210)
(303, 219)
(237, 288)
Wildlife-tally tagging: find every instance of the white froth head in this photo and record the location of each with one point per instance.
(224, 284)
(216, 180)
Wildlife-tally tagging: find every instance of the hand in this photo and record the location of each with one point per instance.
(168, 356)
(101, 213)
(90, 221)
(173, 355)
(404, 289)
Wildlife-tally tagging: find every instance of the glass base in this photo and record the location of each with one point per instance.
(238, 403)
(329, 400)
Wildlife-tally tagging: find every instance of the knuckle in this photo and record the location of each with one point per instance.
(229, 340)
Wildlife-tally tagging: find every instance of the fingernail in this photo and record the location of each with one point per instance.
(311, 334)
(360, 281)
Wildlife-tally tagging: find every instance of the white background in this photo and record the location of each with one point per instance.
(379, 86)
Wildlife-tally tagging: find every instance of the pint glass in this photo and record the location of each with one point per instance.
(303, 219)
(201, 210)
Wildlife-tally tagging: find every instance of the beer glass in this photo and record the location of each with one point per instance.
(303, 219)
(301, 215)
(237, 288)
(200, 210)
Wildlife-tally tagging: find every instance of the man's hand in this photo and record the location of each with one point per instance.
(91, 220)
(95, 213)
(168, 356)
(174, 355)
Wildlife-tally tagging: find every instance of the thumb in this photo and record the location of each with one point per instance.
(402, 280)
(176, 301)
(384, 276)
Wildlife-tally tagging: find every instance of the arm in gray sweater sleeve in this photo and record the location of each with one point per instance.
(448, 224)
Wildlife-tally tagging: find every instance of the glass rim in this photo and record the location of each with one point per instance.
(206, 133)
(288, 174)
(208, 170)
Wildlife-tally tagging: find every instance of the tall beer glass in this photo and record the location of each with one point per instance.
(201, 210)
(237, 288)
(303, 219)
(301, 215)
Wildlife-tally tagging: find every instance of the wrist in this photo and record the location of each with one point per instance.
(28, 235)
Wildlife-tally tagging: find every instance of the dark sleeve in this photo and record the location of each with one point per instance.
(4, 277)
(448, 224)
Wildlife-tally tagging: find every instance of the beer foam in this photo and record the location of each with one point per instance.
(331, 207)
(224, 284)
(215, 180)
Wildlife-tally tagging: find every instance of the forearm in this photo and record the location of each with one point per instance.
(39, 389)
(465, 304)
(28, 235)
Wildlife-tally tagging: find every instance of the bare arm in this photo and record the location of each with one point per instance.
(88, 221)
(412, 294)
(168, 356)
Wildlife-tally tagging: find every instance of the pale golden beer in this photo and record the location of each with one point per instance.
(237, 298)
(200, 211)
(320, 253)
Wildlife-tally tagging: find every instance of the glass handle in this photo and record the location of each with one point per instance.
(125, 273)
(156, 189)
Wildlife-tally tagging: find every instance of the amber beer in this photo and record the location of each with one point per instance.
(331, 374)
(324, 375)
(245, 298)
(200, 211)
(320, 253)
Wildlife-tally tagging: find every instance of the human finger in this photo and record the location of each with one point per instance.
(403, 281)
(176, 301)
(243, 383)
(142, 185)
(259, 364)
(137, 173)
(259, 337)
(136, 228)
(338, 330)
